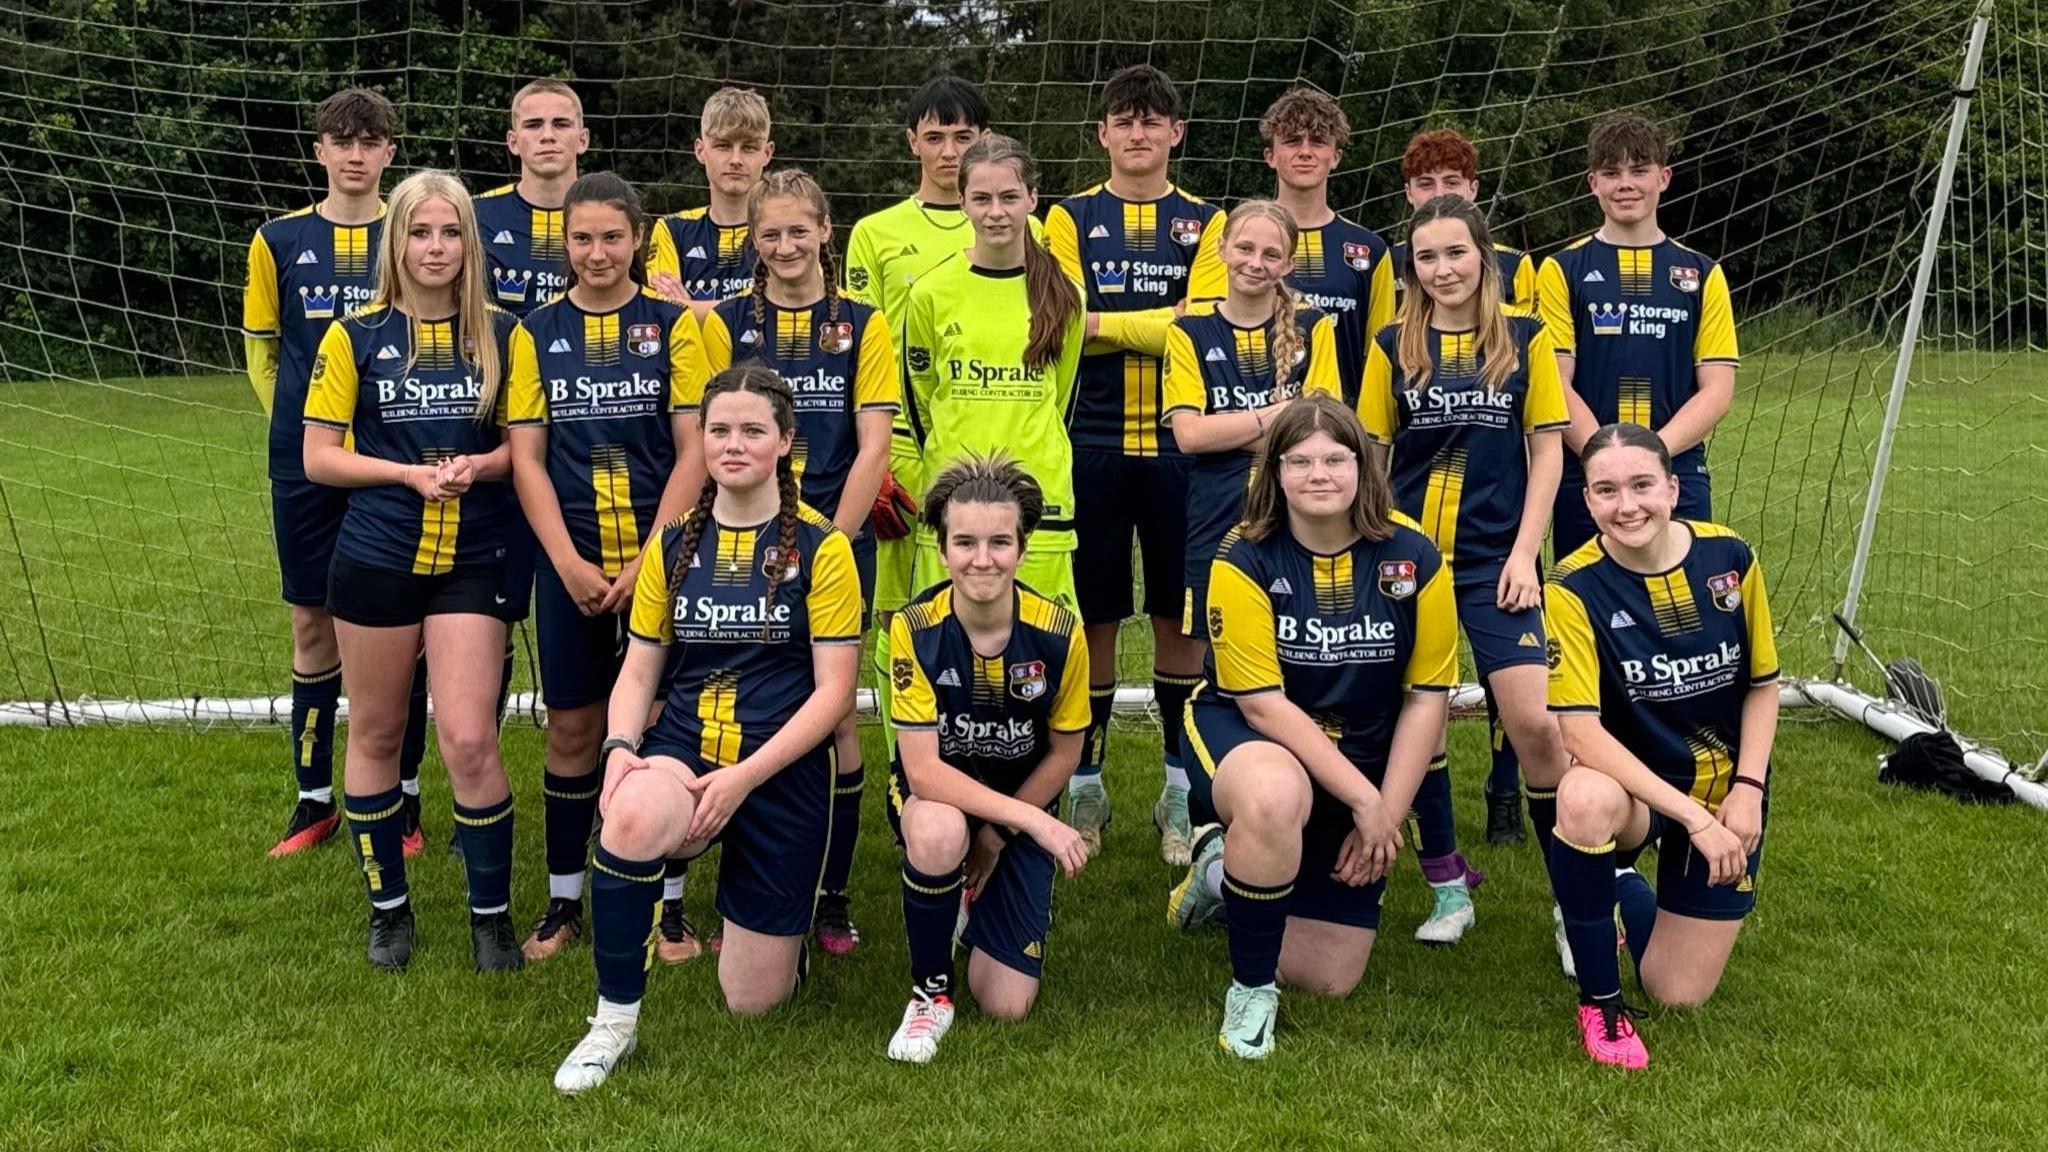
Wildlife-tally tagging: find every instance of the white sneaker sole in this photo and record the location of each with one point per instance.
(574, 1079)
(1447, 929)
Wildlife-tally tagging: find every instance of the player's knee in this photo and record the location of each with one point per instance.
(753, 995)
(934, 837)
(573, 738)
(1005, 1003)
(1332, 982)
(470, 751)
(1273, 797)
(638, 819)
(313, 646)
(1590, 806)
(1678, 989)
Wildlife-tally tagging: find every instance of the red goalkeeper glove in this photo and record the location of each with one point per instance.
(895, 512)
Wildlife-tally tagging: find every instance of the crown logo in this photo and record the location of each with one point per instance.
(1110, 275)
(511, 283)
(1607, 318)
(318, 301)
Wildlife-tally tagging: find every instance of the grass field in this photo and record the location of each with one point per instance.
(162, 985)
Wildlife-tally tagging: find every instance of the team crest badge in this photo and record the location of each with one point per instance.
(1358, 256)
(1185, 231)
(1215, 622)
(644, 339)
(920, 359)
(1027, 680)
(773, 553)
(1397, 579)
(835, 338)
(1727, 590)
(857, 279)
(1553, 653)
(1685, 279)
(899, 673)
(319, 366)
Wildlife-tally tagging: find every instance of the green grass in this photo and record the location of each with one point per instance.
(162, 985)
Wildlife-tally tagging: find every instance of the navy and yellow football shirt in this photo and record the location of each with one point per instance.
(305, 272)
(1665, 660)
(525, 248)
(413, 404)
(1639, 321)
(713, 260)
(1344, 636)
(1342, 268)
(839, 362)
(605, 385)
(1460, 465)
(1132, 256)
(745, 666)
(995, 715)
(1517, 275)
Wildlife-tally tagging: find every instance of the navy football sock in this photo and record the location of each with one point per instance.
(1171, 693)
(846, 791)
(1582, 877)
(412, 747)
(315, 696)
(931, 906)
(1638, 903)
(1542, 814)
(486, 834)
(1258, 925)
(376, 828)
(1095, 745)
(625, 908)
(1435, 834)
(568, 806)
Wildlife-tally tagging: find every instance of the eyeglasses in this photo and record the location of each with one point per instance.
(1334, 463)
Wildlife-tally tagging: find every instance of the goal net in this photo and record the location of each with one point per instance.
(143, 143)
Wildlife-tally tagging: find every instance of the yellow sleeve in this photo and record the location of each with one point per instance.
(834, 596)
(863, 275)
(1715, 341)
(1376, 393)
(259, 295)
(331, 394)
(717, 345)
(1574, 663)
(1183, 389)
(876, 386)
(261, 354)
(661, 253)
(1063, 239)
(1525, 283)
(1756, 616)
(1241, 635)
(1543, 409)
(525, 402)
(912, 703)
(1143, 331)
(688, 370)
(1379, 311)
(651, 620)
(1070, 358)
(1070, 711)
(1433, 663)
(1206, 279)
(1321, 375)
(1554, 305)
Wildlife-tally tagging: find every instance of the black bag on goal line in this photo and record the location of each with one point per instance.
(1933, 762)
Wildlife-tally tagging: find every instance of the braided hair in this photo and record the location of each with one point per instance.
(1283, 331)
(795, 184)
(764, 381)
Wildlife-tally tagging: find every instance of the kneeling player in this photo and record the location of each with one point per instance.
(1333, 641)
(984, 745)
(753, 597)
(1680, 759)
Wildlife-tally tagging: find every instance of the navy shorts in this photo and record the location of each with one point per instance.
(1499, 638)
(1115, 497)
(1571, 525)
(379, 598)
(579, 655)
(1214, 729)
(1011, 915)
(522, 551)
(305, 520)
(864, 565)
(772, 851)
(1682, 873)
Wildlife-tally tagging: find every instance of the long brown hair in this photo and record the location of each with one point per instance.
(472, 307)
(978, 479)
(796, 184)
(1494, 341)
(1265, 505)
(1053, 299)
(1283, 334)
(761, 380)
(613, 190)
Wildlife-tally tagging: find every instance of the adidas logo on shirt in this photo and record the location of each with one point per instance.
(387, 352)
(952, 329)
(561, 344)
(949, 679)
(1281, 587)
(1215, 355)
(1528, 640)
(1621, 620)
(503, 237)
(308, 257)
(696, 253)
(1098, 233)
(751, 336)
(1593, 277)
